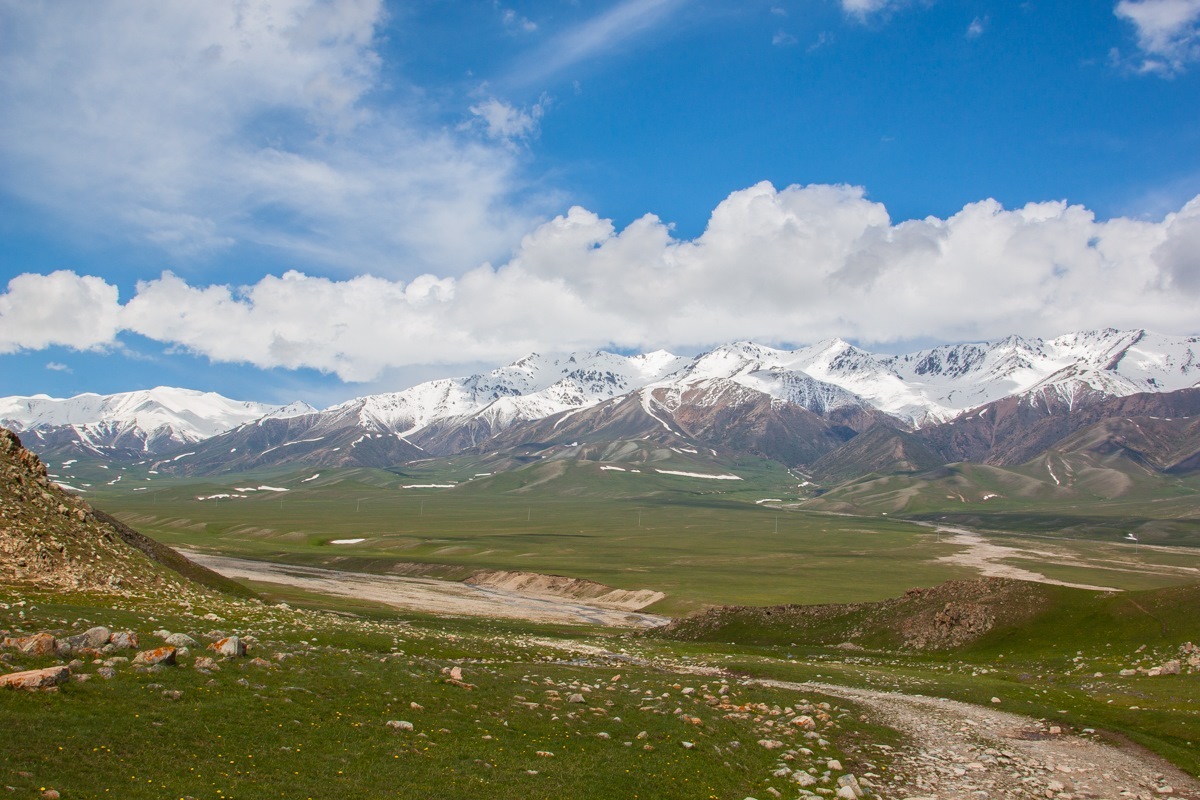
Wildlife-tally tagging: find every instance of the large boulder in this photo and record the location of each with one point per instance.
(230, 647)
(159, 655)
(39, 644)
(33, 679)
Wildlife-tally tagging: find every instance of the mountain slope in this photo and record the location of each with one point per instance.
(49, 538)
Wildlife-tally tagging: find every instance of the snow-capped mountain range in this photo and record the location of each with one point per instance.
(914, 390)
(150, 420)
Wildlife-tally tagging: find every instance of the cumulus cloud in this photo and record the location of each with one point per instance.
(62, 308)
(196, 126)
(778, 266)
(1168, 32)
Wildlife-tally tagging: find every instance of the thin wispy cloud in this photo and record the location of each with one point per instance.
(1168, 33)
(862, 9)
(593, 39)
(500, 120)
(210, 125)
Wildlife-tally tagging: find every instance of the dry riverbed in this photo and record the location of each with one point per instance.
(426, 594)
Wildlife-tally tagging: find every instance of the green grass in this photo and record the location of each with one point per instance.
(314, 726)
(700, 541)
(697, 544)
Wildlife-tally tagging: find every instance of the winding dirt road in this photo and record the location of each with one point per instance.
(959, 751)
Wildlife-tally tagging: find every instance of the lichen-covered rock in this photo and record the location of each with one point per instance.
(230, 647)
(39, 644)
(124, 640)
(33, 679)
(159, 655)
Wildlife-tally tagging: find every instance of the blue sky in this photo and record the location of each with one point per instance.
(314, 199)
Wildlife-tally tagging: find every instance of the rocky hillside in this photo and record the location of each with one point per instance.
(51, 539)
(984, 614)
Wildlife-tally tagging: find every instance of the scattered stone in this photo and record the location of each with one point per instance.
(124, 640)
(181, 640)
(204, 663)
(399, 725)
(576, 698)
(850, 783)
(688, 745)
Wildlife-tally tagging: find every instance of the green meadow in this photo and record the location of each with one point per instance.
(700, 541)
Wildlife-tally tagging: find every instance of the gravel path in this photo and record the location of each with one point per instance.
(959, 751)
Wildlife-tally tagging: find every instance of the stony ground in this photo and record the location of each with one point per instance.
(966, 751)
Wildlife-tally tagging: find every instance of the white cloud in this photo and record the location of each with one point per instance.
(505, 122)
(55, 366)
(195, 126)
(779, 266)
(977, 27)
(61, 308)
(783, 39)
(597, 36)
(1168, 32)
(865, 8)
(514, 21)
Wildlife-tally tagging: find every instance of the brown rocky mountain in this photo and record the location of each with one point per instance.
(716, 415)
(52, 539)
(1162, 431)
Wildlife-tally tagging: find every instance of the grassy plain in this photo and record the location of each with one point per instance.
(700, 541)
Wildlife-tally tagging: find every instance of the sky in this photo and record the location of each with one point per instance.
(318, 199)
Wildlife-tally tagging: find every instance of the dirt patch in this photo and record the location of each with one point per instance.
(535, 584)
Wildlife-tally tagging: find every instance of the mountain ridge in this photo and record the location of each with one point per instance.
(796, 406)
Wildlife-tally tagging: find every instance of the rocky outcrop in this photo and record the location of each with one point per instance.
(53, 539)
